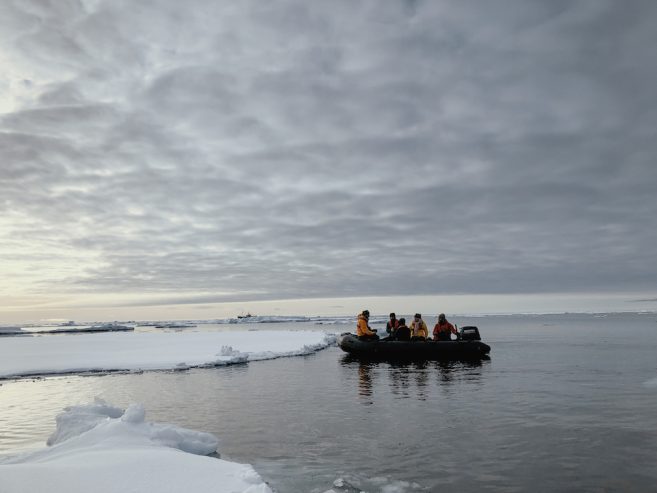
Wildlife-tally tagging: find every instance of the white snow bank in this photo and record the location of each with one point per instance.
(99, 448)
(132, 351)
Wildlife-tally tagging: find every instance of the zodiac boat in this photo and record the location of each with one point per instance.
(468, 346)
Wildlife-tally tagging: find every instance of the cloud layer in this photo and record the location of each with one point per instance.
(213, 151)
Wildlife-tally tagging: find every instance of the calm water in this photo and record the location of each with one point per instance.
(566, 403)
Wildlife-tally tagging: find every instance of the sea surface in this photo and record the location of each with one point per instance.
(566, 403)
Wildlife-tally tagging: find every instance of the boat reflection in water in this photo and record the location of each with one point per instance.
(411, 380)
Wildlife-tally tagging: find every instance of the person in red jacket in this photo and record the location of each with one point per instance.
(392, 325)
(443, 330)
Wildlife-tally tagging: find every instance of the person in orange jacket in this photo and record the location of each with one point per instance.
(443, 330)
(419, 330)
(363, 330)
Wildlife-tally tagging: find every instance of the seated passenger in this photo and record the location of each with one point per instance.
(363, 330)
(443, 330)
(392, 325)
(419, 330)
(403, 333)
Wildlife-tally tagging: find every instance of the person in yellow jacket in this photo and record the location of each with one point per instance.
(363, 330)
(419, 329)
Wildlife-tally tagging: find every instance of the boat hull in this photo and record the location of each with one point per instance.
(412, 350)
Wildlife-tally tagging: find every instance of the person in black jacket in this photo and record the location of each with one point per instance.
(402, 333)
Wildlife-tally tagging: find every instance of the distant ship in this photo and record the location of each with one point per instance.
(248, 315)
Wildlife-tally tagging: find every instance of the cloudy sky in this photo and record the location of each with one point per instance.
(206, 156)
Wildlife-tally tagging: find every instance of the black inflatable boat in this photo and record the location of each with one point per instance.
(469, 346)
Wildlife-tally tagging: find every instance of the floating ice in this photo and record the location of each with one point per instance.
(100, 448)
(379, 484)
(133, 351)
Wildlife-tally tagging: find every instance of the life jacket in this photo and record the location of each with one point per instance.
(391, 327)
(421, 327)
(444, 327)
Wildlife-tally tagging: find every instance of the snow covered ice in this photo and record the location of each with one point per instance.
(129, 351)
(102, 449)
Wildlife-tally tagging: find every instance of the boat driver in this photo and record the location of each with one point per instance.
(443, 330)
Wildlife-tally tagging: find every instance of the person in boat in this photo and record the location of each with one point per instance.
(363, 330)
(443, 330)
(419, 330)
(403, 333)
(392, 325)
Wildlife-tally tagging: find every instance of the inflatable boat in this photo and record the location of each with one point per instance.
(468, 346)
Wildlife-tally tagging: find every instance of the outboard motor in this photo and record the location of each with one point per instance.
(469, 333)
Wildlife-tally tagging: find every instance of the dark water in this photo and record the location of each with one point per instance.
(566, 403)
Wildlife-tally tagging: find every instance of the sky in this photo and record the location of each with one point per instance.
(164, 159)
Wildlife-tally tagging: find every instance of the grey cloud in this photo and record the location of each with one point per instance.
(337, 148)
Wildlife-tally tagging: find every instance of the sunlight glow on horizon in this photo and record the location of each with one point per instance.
(430, 305)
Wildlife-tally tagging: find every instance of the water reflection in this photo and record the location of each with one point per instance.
(402, 376)
(399, 380)
(412, 379)
(365, 382)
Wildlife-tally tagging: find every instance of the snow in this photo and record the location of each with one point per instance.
(64, 329)
(132, 351)
(70, 329)
(104, 449)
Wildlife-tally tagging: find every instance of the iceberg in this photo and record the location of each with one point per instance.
(104, 449)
